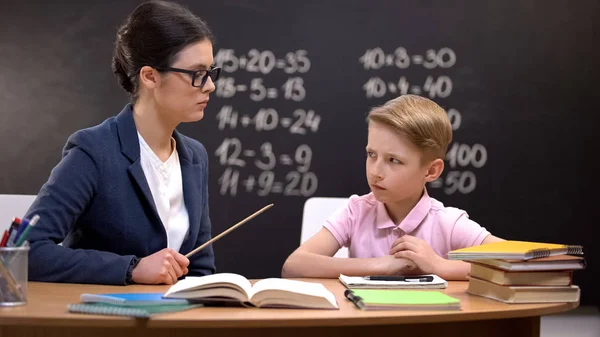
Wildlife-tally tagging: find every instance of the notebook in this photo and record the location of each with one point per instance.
(359, 282)
(520, 250)
(270, 292)
(144, 311)
(131, 299)
(556, 262)
(522, 278)
(523, 294)
(392, 299)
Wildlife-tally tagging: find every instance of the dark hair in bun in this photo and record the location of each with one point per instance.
(151, 36)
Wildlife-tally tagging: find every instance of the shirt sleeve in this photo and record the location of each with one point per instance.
(341, 223)
(467, 233)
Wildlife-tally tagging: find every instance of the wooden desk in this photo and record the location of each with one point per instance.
(46, 315)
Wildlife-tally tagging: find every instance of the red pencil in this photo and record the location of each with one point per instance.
(4, 239)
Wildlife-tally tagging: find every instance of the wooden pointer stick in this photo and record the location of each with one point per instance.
(227, 231)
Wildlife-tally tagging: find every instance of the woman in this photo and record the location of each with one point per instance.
(130, 196)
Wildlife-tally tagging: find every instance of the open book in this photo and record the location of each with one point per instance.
(270, 292)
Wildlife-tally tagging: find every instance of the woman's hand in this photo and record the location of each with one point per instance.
(162, 267)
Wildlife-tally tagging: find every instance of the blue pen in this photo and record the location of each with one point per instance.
(25, 233)
(24, 224)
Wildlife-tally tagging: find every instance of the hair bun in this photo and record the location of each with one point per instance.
(152, 35)
(121, 73)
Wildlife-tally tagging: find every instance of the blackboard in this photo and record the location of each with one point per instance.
(287, 122)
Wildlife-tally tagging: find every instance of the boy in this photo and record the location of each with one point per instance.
(397, 228)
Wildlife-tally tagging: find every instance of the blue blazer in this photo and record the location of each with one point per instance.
(97, 202)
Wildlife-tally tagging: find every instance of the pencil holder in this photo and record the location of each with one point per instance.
(13, 275)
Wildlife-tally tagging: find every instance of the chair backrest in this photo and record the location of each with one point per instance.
(13, 205)
(316, 211)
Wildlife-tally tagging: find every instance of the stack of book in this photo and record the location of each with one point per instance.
(523, 272)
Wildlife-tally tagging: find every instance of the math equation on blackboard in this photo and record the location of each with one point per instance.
(391, 73)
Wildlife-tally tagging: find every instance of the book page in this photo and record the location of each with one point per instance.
(219, 280)
(219, 294)
(307, 289)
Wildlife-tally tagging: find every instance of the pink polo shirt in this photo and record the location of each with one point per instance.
(365, 227)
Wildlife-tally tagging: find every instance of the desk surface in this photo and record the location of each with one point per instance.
(48, 307)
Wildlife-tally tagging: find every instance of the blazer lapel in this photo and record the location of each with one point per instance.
(130, 147)
(137, 173)
(192, 188)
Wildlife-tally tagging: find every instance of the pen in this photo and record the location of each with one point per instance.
(416, 278)
(4, 239)
(24, 224)
(26, 231)
(357, 300)
(13, 288)
(12, 232)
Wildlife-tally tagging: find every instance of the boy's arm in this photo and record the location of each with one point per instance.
(429, 262)
(315, 258)
(453, 270)
(459, 270)
(491, 239)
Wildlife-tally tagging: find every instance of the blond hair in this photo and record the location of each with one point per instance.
(420, 120)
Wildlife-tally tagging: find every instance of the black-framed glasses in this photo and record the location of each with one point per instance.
(199, 77)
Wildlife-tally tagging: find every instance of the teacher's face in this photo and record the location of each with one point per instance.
(175, 95)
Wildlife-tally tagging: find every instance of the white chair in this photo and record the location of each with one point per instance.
(316, 211)
(13, 205)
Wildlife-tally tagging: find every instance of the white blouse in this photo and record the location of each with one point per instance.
(166, 185)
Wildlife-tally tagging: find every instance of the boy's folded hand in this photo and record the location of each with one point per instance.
(418, 251)
(397, 266)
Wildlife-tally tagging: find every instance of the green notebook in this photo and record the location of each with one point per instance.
(389, 299)
(143, 311)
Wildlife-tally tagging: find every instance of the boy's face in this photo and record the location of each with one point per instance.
(395, 170)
